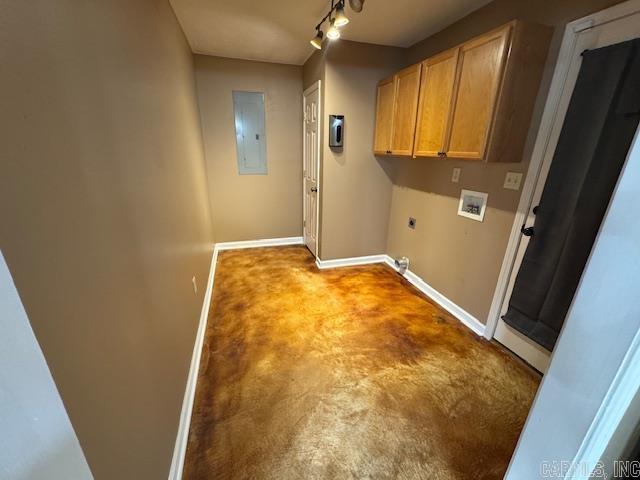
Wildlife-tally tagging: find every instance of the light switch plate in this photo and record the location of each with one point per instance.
(455, 176)
(512, 181)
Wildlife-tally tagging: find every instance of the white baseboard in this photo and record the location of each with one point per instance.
(350, 262)
(267, 242)
(180, 448)
(177, 463)
(461, 314)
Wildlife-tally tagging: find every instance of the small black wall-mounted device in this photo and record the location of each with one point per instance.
(336, 131)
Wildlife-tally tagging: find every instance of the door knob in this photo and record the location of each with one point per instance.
(527, 231)
(314, 189)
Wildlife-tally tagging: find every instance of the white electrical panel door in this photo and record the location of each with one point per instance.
(250, 133)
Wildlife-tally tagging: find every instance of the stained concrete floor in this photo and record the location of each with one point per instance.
(346, 373)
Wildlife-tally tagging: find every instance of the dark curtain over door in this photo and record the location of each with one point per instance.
(595, 139)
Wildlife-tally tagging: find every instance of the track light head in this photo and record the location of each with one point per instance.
(356, 5)
(333, 33)
(337, 20)
(341, 19)
(317, 40)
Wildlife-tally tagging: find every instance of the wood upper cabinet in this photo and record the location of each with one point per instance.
(436, 92)
(404, 111)
(480, 68)
(384, 116)
(397, 103)
(475, 101)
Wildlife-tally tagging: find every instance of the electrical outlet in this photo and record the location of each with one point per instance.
(195, 285)
(455, 176)
(412, 223)
(512, 181)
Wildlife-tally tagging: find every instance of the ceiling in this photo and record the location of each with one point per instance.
(279, 31)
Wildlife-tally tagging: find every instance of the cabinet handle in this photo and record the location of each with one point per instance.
(442, 154)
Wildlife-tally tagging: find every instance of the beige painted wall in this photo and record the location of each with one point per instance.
(355, 189)
(556, 13)
(459, 257)
(313, 68)
(251, 207)
(105, 216)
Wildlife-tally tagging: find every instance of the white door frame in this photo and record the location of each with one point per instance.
(550, 117)
(314, 86)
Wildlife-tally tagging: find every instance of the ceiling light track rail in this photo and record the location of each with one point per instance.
(336, 18)
(334, 5)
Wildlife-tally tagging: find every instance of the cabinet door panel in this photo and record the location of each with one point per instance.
(384, 116)
(436, 90)
(406, 106)
(480, 69)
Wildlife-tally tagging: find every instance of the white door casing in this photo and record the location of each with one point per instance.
(311, 166)
(608, 27)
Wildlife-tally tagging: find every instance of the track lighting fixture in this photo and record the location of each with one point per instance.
(333, 33)
(317, 40)
(337, 20)
(340, 19)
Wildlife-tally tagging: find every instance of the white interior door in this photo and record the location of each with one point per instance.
(589, 35)
(311, 169)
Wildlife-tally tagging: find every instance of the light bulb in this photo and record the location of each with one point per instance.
(341, 19)
(333, 33)
(317, 40)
